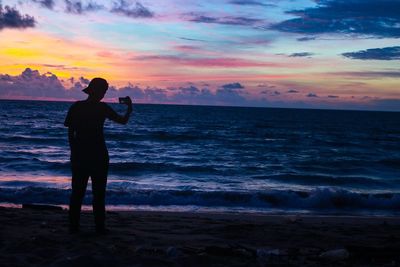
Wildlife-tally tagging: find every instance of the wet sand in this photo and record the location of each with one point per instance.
(30, 237)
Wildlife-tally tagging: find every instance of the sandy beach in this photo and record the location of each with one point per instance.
(32, 237)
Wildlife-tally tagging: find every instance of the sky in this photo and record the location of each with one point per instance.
(335, 54)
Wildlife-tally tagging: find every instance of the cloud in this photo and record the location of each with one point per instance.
(137, 11)
(333, 96)
(301, 54)
(78, 7)
(192, 39)
(231, 93)
(205, 61)
(266, 86)
(311, 95)
(12, 18)
(59, 67)
(232, 86)
(226, 94)
(49, 4)
(275, 93)
(270, 93)
(305, 39)
(368, 74)
(31, 83)
(193, 95)
(187, 48)
(386, 53)
(292, 91)
(121, 7)
(359, 17)
(228, 20)
(249, 3)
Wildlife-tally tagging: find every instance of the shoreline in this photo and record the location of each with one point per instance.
(214, 211)
(154, 238)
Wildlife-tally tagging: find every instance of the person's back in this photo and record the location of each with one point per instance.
(87, 118)
(89, 155)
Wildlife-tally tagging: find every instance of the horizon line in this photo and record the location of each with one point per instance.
(203, 105)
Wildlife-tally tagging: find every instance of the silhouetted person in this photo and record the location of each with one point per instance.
(89, 155)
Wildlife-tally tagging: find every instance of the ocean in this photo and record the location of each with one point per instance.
(203, 158)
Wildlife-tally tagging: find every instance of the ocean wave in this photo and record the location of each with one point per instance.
(319, 179)
(43, 140)
(322, 199)
(32, 164)
(131, 168)
(160, 167)
(29, 164)
(157, 136)
(390, 162)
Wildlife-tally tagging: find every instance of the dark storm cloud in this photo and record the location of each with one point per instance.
(228, 20)
(386, 53)
(136, 11)
(301, 54)
(360, 17)
(45, 3)
(249, 3)
(79, 7)
(10, 17)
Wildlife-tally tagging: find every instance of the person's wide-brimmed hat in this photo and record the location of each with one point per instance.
(95, 85)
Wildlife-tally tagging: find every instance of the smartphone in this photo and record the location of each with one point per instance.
(123, 100)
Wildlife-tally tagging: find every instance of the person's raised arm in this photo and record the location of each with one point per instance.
(114, 116)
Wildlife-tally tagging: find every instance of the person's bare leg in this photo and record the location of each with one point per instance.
(99, 182)
(80, 178)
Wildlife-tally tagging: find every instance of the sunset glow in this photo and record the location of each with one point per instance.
(252, 53)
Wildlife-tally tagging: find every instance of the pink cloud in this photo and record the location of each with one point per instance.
(105, 54)
(187, 48)
(207, 62)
